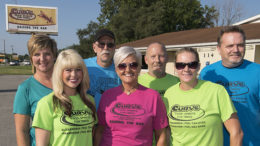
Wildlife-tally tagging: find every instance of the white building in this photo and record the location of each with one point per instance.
(205, 41)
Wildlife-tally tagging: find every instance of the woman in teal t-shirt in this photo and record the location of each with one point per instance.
(197, 109)
(43, 52)
(66, 117)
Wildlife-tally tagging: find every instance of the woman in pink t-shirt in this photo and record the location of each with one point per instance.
(130, 113)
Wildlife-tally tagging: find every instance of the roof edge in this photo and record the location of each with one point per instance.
(196, 45)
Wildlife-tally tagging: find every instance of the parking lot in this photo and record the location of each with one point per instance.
(8, 89)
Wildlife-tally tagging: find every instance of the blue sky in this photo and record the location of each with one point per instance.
(74, 15)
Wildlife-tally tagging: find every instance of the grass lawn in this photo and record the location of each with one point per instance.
(15, 70)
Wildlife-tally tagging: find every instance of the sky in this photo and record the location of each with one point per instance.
(74, 15)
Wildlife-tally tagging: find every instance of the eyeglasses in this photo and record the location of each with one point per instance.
(133, 65)
(181, 65)
(109, 45)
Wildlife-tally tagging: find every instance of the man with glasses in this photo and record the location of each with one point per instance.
(101, 68)
(241, 78)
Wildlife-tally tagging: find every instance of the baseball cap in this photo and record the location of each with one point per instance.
(104, 32)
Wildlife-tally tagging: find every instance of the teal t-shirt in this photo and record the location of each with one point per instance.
(196, 116)
(65, 131)
(27, 96)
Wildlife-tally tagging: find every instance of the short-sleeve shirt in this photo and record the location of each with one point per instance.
(27, 96)
(243, 86)
(101, 78)
(74, 130)
(158, 84)
(129, 120)
(196, 116)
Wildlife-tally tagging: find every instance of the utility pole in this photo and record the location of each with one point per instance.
(12, 52)
(4, 53)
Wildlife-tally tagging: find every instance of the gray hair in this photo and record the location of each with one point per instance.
(123, 52)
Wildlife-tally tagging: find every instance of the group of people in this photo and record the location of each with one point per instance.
(104, 100)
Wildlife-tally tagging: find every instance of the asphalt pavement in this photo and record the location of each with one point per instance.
(8, 87)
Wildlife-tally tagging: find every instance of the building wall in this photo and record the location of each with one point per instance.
(257, 53)
(170, 65)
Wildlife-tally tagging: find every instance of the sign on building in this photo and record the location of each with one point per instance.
(31, 19)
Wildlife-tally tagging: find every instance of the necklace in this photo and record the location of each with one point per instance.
(128, 92)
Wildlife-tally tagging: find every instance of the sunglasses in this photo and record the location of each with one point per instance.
(109, 45)
(133, 65)
(181, 65)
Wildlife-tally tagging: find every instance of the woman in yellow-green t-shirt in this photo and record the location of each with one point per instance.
(197, 109)
(66, 116)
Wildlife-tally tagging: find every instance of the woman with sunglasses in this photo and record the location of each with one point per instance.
(128, 114)
(197, 109)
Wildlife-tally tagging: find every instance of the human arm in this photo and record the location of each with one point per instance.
(233, 127)
(22, 128)
(161, 137)
(98, 134)
(42, 137)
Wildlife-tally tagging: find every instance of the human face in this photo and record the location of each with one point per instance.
(104, 53)
(129, 75)
(43, 60)
(187, 75)
(156, 59)
(232, 49)
(71, 78)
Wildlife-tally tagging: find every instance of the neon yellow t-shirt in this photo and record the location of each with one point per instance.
(196, 116)
(158, 84)
(65, 130)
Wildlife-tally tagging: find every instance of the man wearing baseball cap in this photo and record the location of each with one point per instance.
(101, 68)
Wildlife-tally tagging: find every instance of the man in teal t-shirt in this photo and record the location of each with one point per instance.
(156, 78)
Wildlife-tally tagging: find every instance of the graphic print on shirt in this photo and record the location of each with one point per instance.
(102, 84)
(81, 121)
(184, 116)
(127, 113)
(235, 90)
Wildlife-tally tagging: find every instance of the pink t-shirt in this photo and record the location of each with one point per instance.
(131, 119)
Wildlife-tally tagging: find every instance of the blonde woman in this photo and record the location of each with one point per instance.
(66, 116)
(43, 51)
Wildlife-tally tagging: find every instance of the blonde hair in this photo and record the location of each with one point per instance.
(39, 42)
(69, 59)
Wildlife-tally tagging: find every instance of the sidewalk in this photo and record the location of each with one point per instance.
(8, 87)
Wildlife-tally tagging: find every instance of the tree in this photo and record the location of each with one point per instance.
(86, 39)
(136, 19)
(229, 12)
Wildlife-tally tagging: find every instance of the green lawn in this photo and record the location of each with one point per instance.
(15, 70)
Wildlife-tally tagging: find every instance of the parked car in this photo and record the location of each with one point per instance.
(14, 63)
(25, 62)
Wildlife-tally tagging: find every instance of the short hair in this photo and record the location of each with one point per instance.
(159, 43)
(38, 42)
(69, 59)
(123, 52)
(229, 29)
(187, 49)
